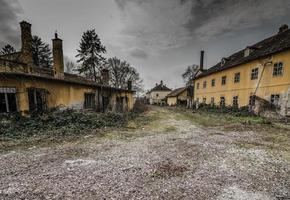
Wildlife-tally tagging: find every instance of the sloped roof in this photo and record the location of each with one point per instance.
(68, 78)
(160, 87)
(176, 92)
(277, 43)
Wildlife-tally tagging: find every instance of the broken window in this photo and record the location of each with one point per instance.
(8, 100)
(237, 77)
(275, 99)
(278, 69)
(224, 80)
(37, 98)
(236, 101)
(90, 100)
(255, 74)
(197, 86)
(204, 100)
(222, 102)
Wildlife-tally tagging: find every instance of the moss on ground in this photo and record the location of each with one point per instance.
(272, 136)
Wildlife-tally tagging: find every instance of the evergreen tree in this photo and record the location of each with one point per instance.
(7, 49)
(90, 55)
(41, 52)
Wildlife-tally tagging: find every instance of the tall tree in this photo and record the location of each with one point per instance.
(90, 55)
(7, 49)
(41, 52)
(121, 72)
(190, 73)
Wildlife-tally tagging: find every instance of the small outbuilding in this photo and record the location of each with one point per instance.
(177, 97)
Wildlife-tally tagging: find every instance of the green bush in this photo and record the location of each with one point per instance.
(67, 122)
(242, 111)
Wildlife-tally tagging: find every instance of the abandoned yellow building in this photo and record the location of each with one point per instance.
(178, 96)
(258, 72)
(27, 88)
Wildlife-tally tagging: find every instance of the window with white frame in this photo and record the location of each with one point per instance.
(222, 101)
(197, 86)
(213, 82)
(236, 101)
(252, 100)
(275, 99)
(278, 69)
(212, 101)
(255, 74)
(204, 84)
(237, 77)
(224, 80)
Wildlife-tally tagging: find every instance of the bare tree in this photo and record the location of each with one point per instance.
(190, 73)
(70, 67)
(121, 72)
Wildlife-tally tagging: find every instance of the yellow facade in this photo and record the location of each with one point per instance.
(25, 87)
(174, 100)
(265, 85)
(61, 94)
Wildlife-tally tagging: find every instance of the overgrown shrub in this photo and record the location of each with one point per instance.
(67, 122)
(140, 107)
(242, 111)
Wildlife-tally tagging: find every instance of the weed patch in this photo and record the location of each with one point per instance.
(167, 169)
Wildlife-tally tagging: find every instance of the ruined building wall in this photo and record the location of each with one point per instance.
(60, 94)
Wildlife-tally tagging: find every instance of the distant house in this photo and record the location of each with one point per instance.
(158, 94)
(178, 96)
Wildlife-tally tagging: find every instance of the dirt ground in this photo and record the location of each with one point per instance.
(170, 157)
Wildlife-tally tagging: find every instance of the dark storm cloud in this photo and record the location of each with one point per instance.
(138, 53)
(9, 11)
(211, 18)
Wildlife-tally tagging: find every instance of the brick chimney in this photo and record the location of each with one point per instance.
(201, 67)
(105, 77)
(57, 51)
(26, 41)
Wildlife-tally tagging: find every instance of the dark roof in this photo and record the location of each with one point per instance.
(160, 87)
(68, 78)
(277, 43)
(176, 92)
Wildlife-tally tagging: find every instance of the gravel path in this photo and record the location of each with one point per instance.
(169, 159)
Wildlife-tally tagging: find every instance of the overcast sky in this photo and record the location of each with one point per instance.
(159, 37)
